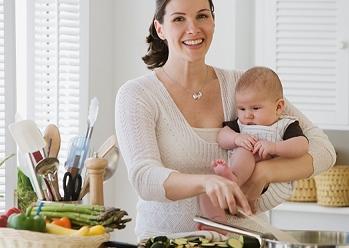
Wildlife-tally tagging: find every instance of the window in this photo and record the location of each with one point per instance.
(306, 43)
(51, 69)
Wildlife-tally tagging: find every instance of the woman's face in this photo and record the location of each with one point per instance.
(188, 28)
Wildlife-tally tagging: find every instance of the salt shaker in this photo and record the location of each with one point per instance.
(96, 167)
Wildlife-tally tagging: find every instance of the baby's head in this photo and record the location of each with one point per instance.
(259, 97)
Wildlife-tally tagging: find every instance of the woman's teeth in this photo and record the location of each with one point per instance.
(193, 42)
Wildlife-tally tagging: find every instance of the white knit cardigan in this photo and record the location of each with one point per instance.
(155, 140)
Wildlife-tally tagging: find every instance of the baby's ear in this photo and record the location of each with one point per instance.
(280, 106)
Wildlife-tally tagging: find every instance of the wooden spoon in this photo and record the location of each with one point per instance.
(53, 141)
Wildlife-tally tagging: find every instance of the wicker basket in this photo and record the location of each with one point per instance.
(19, 239)
(304, 191)
(333, 187)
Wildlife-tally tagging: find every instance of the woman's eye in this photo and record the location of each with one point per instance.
(256, 108)
(178, 19)
(202, 16)
(241, 109)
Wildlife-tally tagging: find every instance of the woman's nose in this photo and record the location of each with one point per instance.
(193, 27)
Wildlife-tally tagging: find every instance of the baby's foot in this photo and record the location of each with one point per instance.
(221, 168)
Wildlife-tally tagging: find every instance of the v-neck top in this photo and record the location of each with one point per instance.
(155, 140)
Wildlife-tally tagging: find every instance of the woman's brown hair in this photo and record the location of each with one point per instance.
(157, 53)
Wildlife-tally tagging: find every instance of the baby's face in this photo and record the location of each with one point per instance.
(256, 108)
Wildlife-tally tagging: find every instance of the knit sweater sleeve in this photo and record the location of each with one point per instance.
(320, 148)
(135, 124)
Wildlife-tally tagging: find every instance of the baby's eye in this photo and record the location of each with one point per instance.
(256, 108)
(242, 109)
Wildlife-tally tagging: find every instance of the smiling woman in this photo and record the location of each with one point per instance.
(167, 137)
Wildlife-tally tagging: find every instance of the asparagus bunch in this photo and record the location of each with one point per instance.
(84, 215)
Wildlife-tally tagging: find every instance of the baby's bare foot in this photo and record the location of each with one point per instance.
(221, 168)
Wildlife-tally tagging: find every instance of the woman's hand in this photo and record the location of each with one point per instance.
(254, 186)
(225, 194)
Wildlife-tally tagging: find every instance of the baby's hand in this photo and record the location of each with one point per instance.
(265, 149)
(245, 141)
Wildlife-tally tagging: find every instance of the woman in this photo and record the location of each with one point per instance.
(167, 122)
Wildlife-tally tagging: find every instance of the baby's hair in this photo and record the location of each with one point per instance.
(262, 79)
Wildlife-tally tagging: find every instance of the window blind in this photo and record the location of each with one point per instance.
(56, 68)
(307, 52)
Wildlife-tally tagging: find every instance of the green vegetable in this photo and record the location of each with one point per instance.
(236, 243)
(25, 221)
(85, 215)
(25, 193)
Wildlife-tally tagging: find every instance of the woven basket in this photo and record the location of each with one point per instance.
(304, 190)
(333, 187)
(20, 238)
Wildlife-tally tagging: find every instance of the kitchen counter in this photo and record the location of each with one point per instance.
(309, 216)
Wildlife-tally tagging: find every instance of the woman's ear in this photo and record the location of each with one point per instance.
(280, 106)
(159, 29)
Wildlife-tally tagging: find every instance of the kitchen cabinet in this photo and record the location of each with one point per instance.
(309, 216)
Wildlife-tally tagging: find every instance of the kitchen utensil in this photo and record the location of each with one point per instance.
(48, 168)
(29, 140)
(27, 136)
(96, 167)
(306, 239)
(71, 186)
(92, 116)
(53, 141)
(109, 151)
(273, 232)
(74, 155)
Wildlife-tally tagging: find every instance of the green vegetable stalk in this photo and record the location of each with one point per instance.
(81, 215)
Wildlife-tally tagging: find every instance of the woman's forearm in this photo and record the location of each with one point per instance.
(285, 169)
(179, 186)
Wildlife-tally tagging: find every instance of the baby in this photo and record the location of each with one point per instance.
(260, 132)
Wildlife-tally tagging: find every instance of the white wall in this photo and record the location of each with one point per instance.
(117, 43)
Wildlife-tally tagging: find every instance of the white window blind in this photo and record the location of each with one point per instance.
(56, 69)
(305, 42)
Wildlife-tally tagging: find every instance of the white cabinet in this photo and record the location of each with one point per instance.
(309, 216)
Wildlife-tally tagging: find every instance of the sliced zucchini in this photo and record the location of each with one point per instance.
(236, 243)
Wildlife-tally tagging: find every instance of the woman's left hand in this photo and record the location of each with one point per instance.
(254, 186)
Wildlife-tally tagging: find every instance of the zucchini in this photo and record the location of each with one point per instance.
(235, 243)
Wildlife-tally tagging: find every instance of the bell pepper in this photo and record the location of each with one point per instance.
(25, 221)
(64, 222)
(12, 211)
(3, 220)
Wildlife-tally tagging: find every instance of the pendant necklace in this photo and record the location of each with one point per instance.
(197, 94)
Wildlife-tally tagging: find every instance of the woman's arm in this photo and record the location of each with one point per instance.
(223, 193)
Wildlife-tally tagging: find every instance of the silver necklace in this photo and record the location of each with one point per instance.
(197, 94)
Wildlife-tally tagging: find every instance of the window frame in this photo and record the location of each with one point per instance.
(10, 100)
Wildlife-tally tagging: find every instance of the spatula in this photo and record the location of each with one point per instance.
(29, 140)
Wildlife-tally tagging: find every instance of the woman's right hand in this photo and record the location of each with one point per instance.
(226, 194)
